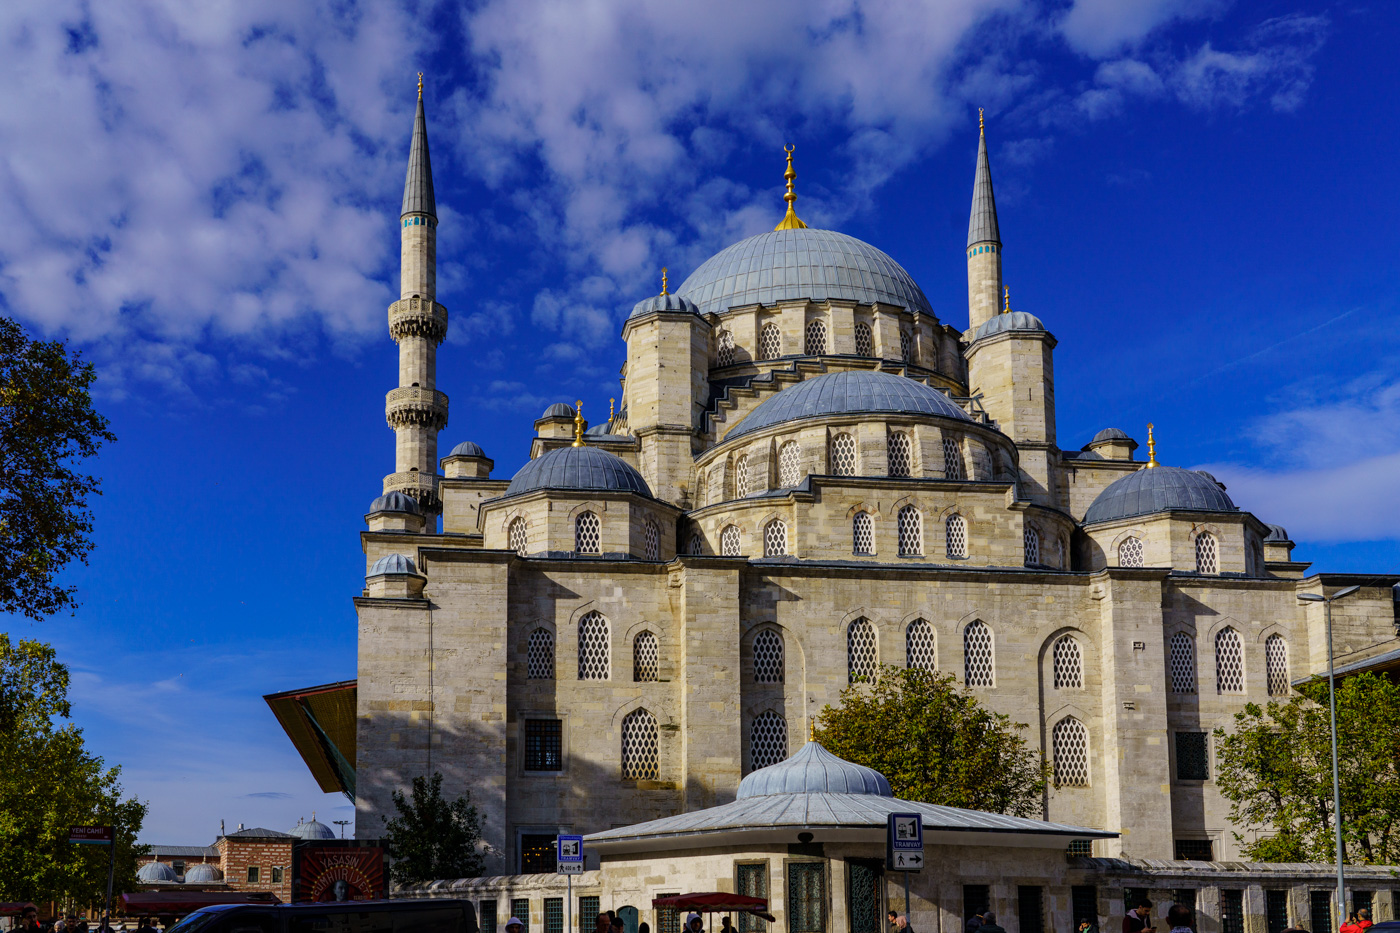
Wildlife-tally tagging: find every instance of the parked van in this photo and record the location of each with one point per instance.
(404, 916)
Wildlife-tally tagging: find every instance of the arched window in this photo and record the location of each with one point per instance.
(911, 532)
(865, 346)
(515, 535)
(725, 343)
(697, 544)
(952, 458)
(770, 342)
(1070, 748)
(539, 655)
(767, 740)
(639, 747)
(920, 647)
(594, 658)
(1276, 665)
(646, 658)
(1032, 545)
(816, 337)
(862, 661)
(1130, 552)
(1205, 553)
(1183, 663)
(586, 537)
(651, 541)
(1060, 552)
(957, 536)
(906, 346)
(1069, 663)
(862, 534)
(789, 464)
(978, 662)
(729, 544)
(843, 455)
(901, 451)
(1229, 661)
(775, 539)
(768, 657)
(741, 476)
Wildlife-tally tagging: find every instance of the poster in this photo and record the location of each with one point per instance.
(338, 870)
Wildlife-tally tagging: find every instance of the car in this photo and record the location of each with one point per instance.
(391, 916)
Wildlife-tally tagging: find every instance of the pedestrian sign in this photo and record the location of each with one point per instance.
(569, 855)
(904, 845)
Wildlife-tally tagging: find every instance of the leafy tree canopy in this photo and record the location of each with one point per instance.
(432, 838)
(935, 743)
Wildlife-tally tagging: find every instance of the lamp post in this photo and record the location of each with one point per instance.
(1327, 602)
(342, 824)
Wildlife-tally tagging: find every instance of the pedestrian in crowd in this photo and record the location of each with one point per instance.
(1363, 919)
(1181, 919)
(1139, 919)
(974, 923)
(989, 924)
(902, 924)
(725, 926)
(1088, 926)
(513, 925)
(693, 924)
(603, 924)
(29, 919)
(644, 927)
(890, 917)
(1352, 925)
(616, 924)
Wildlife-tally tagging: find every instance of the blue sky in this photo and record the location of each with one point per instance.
(1196, 196)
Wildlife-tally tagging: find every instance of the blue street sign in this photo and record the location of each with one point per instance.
(904, 844)
(570, 848)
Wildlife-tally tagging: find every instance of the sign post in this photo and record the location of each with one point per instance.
(568, 860)
(904, 847)
(99, 836)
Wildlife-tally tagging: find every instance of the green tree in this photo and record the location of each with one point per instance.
(935, 743)
(432, 838)
(1275, 768)
(46, 424)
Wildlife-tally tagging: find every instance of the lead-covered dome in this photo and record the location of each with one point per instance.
(1159, 489)
(203, 873)
(315, 829)
(668, 302)
(814, 770)
(578, 468)
(156, 873)
(788, 265)
(392, 563)
(848, 393)
(1007, 322)
(395, 502)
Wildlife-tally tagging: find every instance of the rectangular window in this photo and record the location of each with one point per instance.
(1361, 900)
(1029, 909)
(1081, 848)
(1320, 909)
(863, 896)
(1232, 912)
(179, 867)
(806, 897)
(977, 898)
(520, 909)
(1196, 850)
(588, 910)
(276, 874)
(488, 917)
(252, 874)
(751, 880)
(553, 915)
(1276, 910)
(1186, 897)
(537, 854)
(668, 920)
(1084, 903)
(1191, 759)
(544, 748)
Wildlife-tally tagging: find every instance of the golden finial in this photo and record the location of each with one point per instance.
(578, 424)
(1151, 448)
(663, 280)
(1006, 302)
(420, 85)
(812, 730)
(612, 408)
(981, 125)
(790, 219)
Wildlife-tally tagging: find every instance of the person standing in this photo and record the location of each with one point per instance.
(902, 924)
(974, 923)
(1181, 918)
(1352, 925)
(1139, 919)
(1363, 919)
(989, 924)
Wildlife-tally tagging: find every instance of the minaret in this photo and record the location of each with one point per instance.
(416, 410)
(983, 241)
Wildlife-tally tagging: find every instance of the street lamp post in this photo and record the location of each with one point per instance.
(342, 824)
(1327, 602)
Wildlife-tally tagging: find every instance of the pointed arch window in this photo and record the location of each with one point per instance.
(956, 527)
(767, 740)
(768, 657)
(639, 747)
(741, 476)
(816, 337)
(862, 660)
(1032, 546)
(651, 541)
(1069, 664)
(1276, 665)
(1182, 660)
(539, 655)
(729, 541)
(594, 656)
(1206, 553)
(901, 450)
(865, 345)
(1130, 552)
(725, 341)
(911, 532)
(843, 455)
(697, 544)
(770, 342)
(1229, 661)
(789, 464)
(952, 458)
(906, 346)
(515, 536)
(920, 646)
(646, 658)
(586, 534)
(862, 534)
(775, 539)
(1070, 749)
(978, 661)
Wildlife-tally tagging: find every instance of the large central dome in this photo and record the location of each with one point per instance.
(787, 265)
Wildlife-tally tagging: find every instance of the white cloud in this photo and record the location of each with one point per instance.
(1099, 28)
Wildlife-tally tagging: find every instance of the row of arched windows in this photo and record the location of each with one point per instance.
(1130, 553)
(594, 652)
(815, 342)
(909, 523)
(1229, 663)
(588, 537)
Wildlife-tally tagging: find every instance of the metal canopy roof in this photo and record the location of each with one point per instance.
(320, 721)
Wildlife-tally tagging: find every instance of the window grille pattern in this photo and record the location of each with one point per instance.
(775, 539)
(1276, 665)
(1182, 661)
(1069, 663)
(952, 459)
(1205, 553)
(1229, 662)
(639, 750)
(646, 658)
(806, 891)
(861, 660)
(1130, 552)
(957, 536)
(978, 670)
(911, 532)
(1070, 747)
(864, 895)
(1084, 901)
(515, 536)
(553, 915)
(488, 916)
(901, 454)
(697, 544)
(729, 541)
(906, 346)
(843, 455)
(741, 476)
(668, 919)
(816, 337)
(1032, 542)
(594, 660)
(539, 655)
(1275, 902)
(1232, 912)
(767, 740)
(586, 537)
(752, 882)
(789, 464)
(726, 348)
(1030, 908)
(865, 346)
(862, 534)
(520, 907)
(920, 646)
(544, 745)
(768, 657)
(1192, 763)
(651, 541)
(770, 342)
(536, 857)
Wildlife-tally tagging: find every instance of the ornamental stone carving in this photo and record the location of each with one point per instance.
(421, 487)
(415, 406)
(417, 317)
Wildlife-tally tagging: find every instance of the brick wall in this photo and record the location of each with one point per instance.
(238, 855)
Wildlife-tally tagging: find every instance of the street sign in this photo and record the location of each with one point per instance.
(569, 868)
(904, 844)
(569, 855)
(91, 835)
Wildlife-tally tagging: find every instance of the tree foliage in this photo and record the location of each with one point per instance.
(935, 743)
(46, 423)
(1275, 768)
(50, 782)
(432, 838)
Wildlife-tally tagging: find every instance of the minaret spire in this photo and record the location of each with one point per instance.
(983, 239)
(418, 186)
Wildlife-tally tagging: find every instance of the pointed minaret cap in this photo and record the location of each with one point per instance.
(418, 186)
(982, 227)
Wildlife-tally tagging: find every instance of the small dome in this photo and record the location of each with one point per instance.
(1110, 434)
(600, 428)
(467, 449)
(666, 302)
(558, 410)
(203, 873)
(578, 468)
(847, 393)
(1011, 320)
(392, 563)
(1277, 533)
(395, 502)
(1158, 489)
(313, 830)
(154, 872)
(814, 770)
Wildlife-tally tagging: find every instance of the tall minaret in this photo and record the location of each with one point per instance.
(983, 241)
(416, 410)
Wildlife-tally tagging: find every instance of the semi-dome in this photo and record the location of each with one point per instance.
(467, 449)
(156, 873)
(1110, 434)
(578, 468)
(668, 302)
(315, 829)
(558, 410)
(1158, 489)
(1004, 323)
(392, 563)
(814, 770)
(847, 393)
(203, 873)
(788, 265)
(395, 502)
(1277, 533)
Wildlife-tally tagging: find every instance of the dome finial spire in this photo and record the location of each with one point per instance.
(1151, 448)
(578, 424)
(981, 123)
(420, 85)
(1006, 305)
(663, 281)
(790, 220)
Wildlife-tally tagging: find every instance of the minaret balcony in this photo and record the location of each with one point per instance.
(417, 317)
(413, 406)
(420, 487)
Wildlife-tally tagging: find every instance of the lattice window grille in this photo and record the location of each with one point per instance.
(1205, 553)
(646, 658)
(726, 348)
(539, 655)
(1032, 544)
(767, 740)
(1069, 663)
(1070, 750)
(911, 532)
(861, 660)
(697, 544)
(921, 648)
(1183, 663)
(906, 346)
(957, 536)
(586, 533)
(901, 454)
(978, 667)
(1130, 552)
(516, 536)
(843, 455)
(1229, 662)
(729, 541)
(639, 747)
(741, 476)
(789, 464)
(775, 539)
(651, 541)
(768, 657)
(862, 534)
(1276, 665)
(594, 658)
(952, 458)
(816, 337)
(770, 342)
(865, 345)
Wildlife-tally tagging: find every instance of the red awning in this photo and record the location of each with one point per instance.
(716, 902)
(184, 902)
(14, 908)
